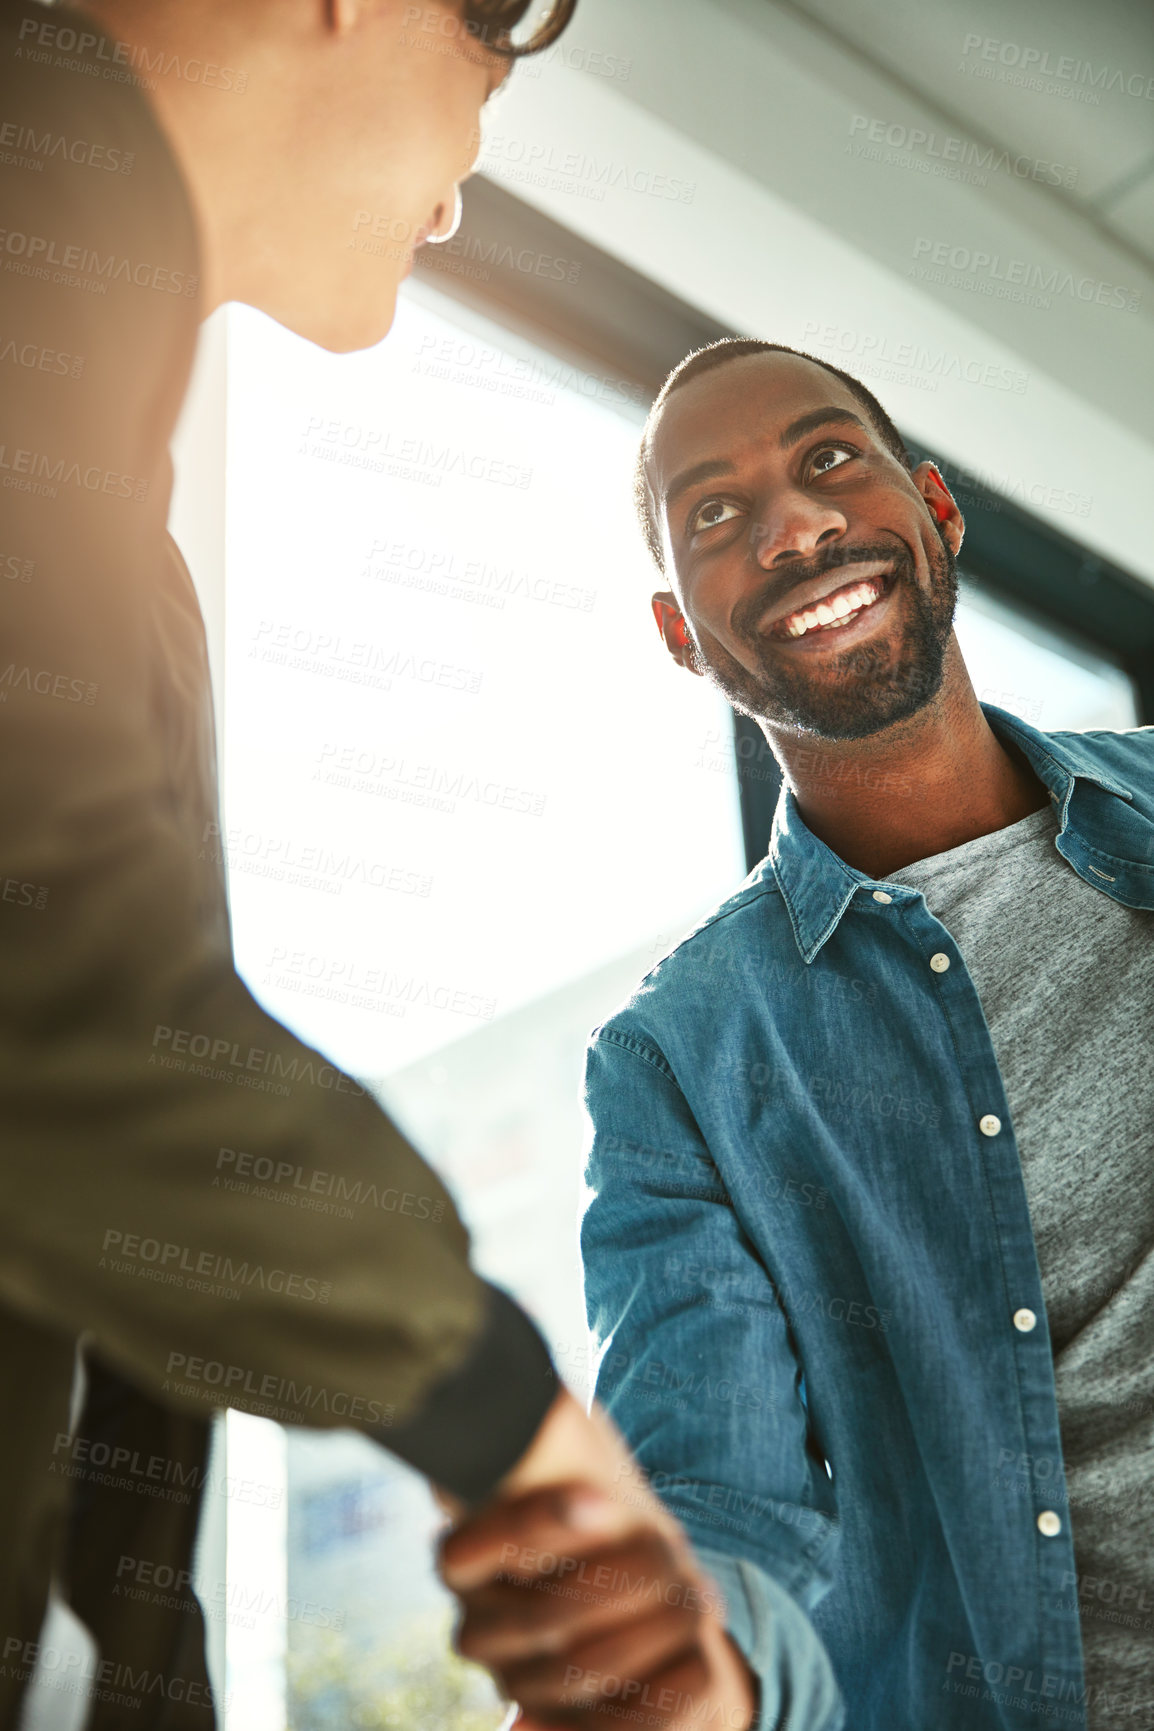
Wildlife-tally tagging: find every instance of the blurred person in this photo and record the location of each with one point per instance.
(159, 157)
(868, 1257)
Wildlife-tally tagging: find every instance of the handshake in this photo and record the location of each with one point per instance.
(579, 1592)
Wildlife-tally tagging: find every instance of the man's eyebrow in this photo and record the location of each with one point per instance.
(818, 418)
(715, 467)
(707, 471)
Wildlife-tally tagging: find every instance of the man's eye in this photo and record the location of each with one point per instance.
(820, 462)
(709, 515)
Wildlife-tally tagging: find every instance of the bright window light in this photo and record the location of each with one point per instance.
(470, 801)
(1032, 671)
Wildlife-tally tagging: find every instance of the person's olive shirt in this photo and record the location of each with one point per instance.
(115, 956)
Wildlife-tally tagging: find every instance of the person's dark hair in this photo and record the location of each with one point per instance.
(492, 23)
(715, 355)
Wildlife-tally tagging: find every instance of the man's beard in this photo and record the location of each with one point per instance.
(870, 686)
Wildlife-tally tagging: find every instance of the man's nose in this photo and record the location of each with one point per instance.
(794, 527)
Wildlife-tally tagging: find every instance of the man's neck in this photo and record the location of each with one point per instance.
(919, 788)
(207, 135)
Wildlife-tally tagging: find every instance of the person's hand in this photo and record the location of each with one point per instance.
(584, 1599)
(583, 1624)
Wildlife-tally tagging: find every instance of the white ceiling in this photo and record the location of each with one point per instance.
(782, 88)
(1111, 45)
(791, 232)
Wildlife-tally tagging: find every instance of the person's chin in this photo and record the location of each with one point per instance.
(343, 327)
(365, 331)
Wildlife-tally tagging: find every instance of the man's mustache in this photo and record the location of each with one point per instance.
(779, 585)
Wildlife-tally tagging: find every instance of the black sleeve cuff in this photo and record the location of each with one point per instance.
(477, 1422)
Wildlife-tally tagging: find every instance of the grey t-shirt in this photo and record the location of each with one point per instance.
(1066, 980)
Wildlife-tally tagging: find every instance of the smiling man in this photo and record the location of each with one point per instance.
(877, 1134)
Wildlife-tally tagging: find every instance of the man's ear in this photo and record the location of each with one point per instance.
(941, 503)
(673, 628)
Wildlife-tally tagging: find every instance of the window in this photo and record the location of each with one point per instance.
(468, 802)
(1035, 671)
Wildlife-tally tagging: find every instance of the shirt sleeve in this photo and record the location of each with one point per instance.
(798, 1689)
(221, 1213)
(697, 1368)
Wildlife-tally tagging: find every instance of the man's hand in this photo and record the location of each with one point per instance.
(590, 1609)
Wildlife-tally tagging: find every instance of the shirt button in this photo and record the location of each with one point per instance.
(939, 963)
(881, 896)
(989, 1125)
(1024, 1320)
(1049, 1525)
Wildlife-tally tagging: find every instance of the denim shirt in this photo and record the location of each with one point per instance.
(807, 1240)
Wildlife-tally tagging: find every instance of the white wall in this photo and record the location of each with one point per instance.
(748, 108)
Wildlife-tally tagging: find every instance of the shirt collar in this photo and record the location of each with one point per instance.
(817, 886)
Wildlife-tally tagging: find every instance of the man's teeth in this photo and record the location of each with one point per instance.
(837, 610)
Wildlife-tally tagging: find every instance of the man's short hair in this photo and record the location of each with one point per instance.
(716, 354)
(492, 22)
